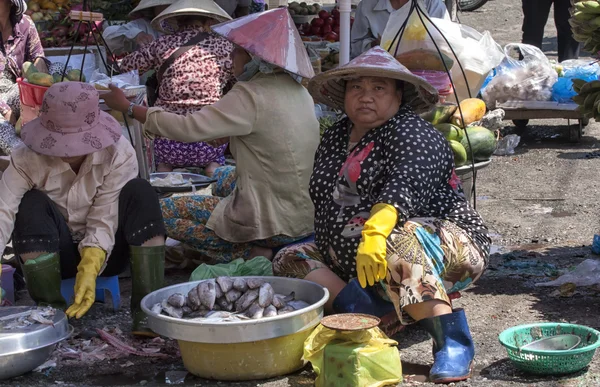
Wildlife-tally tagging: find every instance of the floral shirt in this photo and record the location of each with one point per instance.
(196, 79)
(405, 163)
(23, 45)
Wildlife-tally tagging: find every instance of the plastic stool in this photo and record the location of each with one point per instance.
(308, 239)
(109, 284)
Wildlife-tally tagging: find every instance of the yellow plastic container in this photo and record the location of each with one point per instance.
(245, 361)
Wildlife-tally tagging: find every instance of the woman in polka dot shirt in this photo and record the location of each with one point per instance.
(390, 214)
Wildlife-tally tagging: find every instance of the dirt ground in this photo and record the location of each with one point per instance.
(541, 206)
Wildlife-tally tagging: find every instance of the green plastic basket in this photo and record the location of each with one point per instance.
(549, 362)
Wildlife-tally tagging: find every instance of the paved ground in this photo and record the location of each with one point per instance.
(542, 207)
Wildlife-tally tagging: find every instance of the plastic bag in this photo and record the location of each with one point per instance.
(258, 266)
(365, 358)
(477, 53)
(122, 81)
(506, 146)
(529, 79)
(587, 273)
(562, 91)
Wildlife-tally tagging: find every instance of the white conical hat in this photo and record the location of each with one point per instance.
(273, 37)
(206, 8)
(148, 4)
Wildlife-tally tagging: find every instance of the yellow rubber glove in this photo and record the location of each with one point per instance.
(92, 259)
(371, 264)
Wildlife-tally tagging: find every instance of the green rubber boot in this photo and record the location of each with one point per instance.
(147, 275)
(43, 279)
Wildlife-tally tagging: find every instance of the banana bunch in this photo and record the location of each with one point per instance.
(588, 98)
(585, 24)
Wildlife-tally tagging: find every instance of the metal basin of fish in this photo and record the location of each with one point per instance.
(25, 346)
(242, 350)
(554, 343)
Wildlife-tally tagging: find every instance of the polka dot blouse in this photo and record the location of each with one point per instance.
(406, 163)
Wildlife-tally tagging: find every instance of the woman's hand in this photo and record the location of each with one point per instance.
(116, 99)
(143, 38)
(10, 117)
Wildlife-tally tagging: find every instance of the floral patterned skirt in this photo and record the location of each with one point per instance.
(181, 154)
(185, 219)
(9, 93)
(427, 259)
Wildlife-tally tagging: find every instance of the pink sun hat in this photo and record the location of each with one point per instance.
(71, 123)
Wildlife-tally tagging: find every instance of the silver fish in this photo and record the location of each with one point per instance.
(285, 309)
(207, 294)
(218, 292)
(254, 283)
(177, 300)
(298, 304)
(186, 310)
(156, 308)
(240, 284)
(246, 300)
(198, 314)
(278, 301)
(225, 305)
(39, 316)
(193, 299)
(270, 311)
(265, 295)
(233, 295)
(255, 311)
(224, 317)
(171, 310)
(225, 283)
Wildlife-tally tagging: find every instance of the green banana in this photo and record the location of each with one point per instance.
(590, 87)
(596, 105)
(579, 100)
(583, 16)
(591, 6)
(588, 103)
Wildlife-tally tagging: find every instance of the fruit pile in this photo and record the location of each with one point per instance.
(588, 98)
(325, 26)
(45, 10)
(585, 23)
(303, 9)
(64, 32)
(33, 76)
(446, 118)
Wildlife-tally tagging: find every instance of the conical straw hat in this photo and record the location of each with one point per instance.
(148, 4)
(206, 8)
(329, 87)
(273, 37)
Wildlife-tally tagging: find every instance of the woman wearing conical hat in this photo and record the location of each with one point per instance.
(129, 37)
(269, 119)
(198, 77)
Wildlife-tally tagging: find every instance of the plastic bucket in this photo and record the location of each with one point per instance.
(7, 282)
(31, 95)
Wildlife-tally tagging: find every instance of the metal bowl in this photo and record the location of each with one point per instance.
(244, 350)
(24, 349)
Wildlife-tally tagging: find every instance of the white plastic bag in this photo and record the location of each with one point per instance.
(529, 79)
(477, 53)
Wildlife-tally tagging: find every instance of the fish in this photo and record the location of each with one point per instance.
(240, 284)
(225, 283)
(285, 309)
(156, 308)
(254, 283)
(298, 304)
(270, 311)
(255, 311)
(246, 300)
(207, 294)
(225, 304)
(233, 295)
(186, 310)
(265, 295)
(177, 300)
(222, 316)
(171, 310)
(278, 301)
(193, 299)
(218, 292)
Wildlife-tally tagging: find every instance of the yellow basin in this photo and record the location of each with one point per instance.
(245, 361)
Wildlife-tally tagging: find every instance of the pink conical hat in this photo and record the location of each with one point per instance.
(273, 37)
(329, 87)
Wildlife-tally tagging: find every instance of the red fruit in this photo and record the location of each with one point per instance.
(317, 22)
(332, 37)
(335, 13)
(329, 21)
(336, 29)
(336, 22)
(306, 27)
(323, 14)
(326, 30)
(315, 30)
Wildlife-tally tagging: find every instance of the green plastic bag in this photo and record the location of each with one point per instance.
(365, 358)
(258, 266)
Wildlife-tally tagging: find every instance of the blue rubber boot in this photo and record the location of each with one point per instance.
(354, 299)
(453, 349)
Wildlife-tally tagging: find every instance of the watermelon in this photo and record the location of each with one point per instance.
(460, 154)
(451, 132)
(483, 142)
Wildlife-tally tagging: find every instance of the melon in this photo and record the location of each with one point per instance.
(451, 132)
(460, 153)
(482, 140)
(440, 113)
